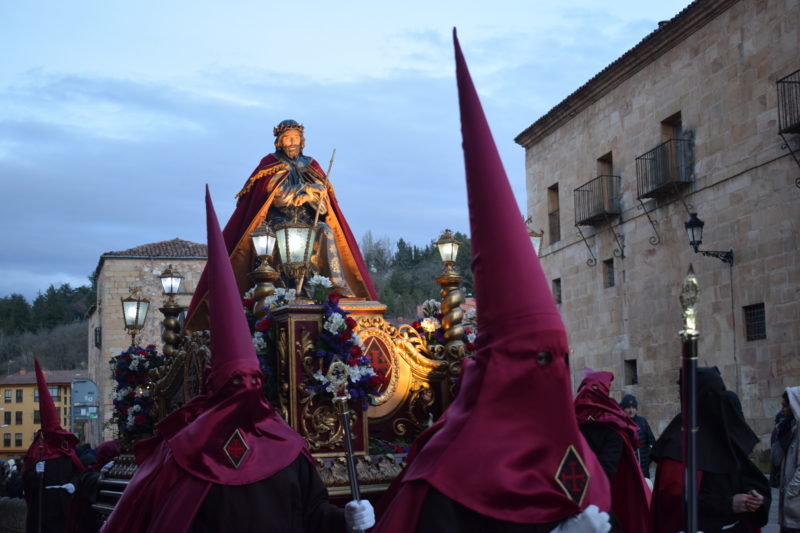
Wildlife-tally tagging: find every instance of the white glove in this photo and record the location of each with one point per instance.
(69, 487)
(591, 520)
(359, 515)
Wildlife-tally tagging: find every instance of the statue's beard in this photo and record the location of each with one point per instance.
(291, 151)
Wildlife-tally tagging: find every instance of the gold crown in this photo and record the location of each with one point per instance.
(286, 125)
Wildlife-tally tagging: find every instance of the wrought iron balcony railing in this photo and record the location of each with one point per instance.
(554, 225)
(789, 103)
(597, 200)
(664, 169)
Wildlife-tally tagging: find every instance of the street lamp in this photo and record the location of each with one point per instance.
(536, 236)
(264, 275)
(171, 283)
(294, 245)
(134, 312)
(694, 231)
(452, 296)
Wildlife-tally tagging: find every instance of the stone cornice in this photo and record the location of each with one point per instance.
(667, 36)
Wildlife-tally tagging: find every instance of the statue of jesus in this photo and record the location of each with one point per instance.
(287, 184)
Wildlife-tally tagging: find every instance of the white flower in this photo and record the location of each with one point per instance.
(249, 294)
(429, 324)
(431, 308)
(259, 343)
(122, 393)
(471, 314)
(471, 337)
(322, 281)
(136, 408)
(334, 323)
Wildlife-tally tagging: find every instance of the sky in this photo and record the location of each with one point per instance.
(114, 115)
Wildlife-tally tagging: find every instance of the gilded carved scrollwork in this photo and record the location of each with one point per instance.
(370, 470)
(319, 422)
(283, 370)
(181, 378)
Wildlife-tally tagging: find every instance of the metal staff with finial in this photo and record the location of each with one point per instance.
(322, 200)
(339, 375)
(40, 477)
(690, 296)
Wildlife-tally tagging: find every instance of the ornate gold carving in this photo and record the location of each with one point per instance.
(320, 425)
(370, 470)
(181, 378)
(283, 373)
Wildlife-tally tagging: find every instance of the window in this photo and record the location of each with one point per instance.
(7, 418)
(18, 440)
(18, 418)
(54, 393)
(557, 290)
(36, 419)
(553, 218)
(608, 273)
(6, 440)
(605, 165)
(631, 372)
(755, 323)
(98, 337)
(672, 127)
(7, 395)
(19, 395)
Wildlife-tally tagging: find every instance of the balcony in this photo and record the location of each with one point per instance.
(789, 103)
(664, 169)
(597, 200)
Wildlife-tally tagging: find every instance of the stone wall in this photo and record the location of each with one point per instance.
(722, 80)
(12, 515)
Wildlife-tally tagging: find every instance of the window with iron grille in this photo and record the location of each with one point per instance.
(6, 440)
(557, 290)
(7, 395)
(18, 440)
(98, 337)
(18, 418)
(631, 372)
(19, 395)
(755, 323)
(608, 273)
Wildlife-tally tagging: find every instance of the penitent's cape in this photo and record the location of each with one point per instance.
(508, 447)
(255, 200)
(229, 436)
(630, 496)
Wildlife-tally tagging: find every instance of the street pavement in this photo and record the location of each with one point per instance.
(772, 525)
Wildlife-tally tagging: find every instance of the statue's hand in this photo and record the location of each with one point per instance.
(312, 194)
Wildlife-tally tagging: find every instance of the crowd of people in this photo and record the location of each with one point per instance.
(514, 451)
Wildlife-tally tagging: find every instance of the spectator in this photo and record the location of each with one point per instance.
(630, 405)
(780, 440)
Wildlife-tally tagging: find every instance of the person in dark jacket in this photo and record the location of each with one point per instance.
(630, 405)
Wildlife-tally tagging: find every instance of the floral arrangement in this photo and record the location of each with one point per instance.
(338, 341)
(380, 446)
(429, 326)
(133, 405)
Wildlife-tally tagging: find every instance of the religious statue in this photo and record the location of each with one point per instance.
(287, 185)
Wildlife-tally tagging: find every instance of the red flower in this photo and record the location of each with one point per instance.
(117, 372)
(377, 380)
(140, 420)
(130, 378)
(398, 449)
(355, 350)
(248, 303)
(151, 346)
(438, 316)
(352, 361)
(125, 410)
(263, 325)
(333, 298)
(416, 325)
(350, 323)
(131, 395)
(470, 346)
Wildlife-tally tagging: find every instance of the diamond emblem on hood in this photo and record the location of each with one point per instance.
(236, 448)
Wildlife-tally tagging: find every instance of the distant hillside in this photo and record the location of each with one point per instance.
(52, 328)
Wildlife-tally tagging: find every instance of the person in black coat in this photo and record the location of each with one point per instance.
(630, 405)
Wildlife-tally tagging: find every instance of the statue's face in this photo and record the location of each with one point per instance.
(290, 143)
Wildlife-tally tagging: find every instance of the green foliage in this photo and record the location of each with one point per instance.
(53, 329)
(405, 275)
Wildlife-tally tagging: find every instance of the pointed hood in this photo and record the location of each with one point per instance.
(509, 447)
(232, 348)
(231, 435)
(51, 441)
(47, 409)
(593, 404)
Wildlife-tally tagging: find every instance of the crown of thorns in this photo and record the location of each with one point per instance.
(287, 125)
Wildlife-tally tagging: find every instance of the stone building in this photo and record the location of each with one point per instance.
(117, 273)
(685, 122)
